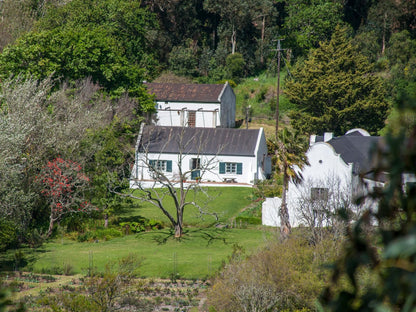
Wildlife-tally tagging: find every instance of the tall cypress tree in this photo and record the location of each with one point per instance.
(335, 89)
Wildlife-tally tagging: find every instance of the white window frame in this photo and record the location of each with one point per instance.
(319, 193)
(160, 165)
(230, 168)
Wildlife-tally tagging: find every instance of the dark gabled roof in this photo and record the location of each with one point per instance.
(206, 141)
(177, 92)
(355, 148)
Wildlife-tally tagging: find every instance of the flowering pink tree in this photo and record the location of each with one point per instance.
(63, 184)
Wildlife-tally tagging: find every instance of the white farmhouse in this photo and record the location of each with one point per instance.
(339, 171)
(212, 156)
(194, 105)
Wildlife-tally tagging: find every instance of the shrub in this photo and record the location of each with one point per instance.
(284, 276)
(140, 224)
(235, 64)
(269, 188)
(99, 234)
(248, 220)
(8, 234)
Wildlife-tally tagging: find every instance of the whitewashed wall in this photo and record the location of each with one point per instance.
(264, 164)
(324, 164)
(270, 213)
(208, 115)
(326, 170)
(176, 114)
(249, 167)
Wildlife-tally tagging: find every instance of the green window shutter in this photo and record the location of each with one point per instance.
(222, 168)
(239, 168)
(169, 165)
(152, 163)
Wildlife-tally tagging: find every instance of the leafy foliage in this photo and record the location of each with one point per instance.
(63, 185)
(104, 40)
(336, 90)
(310, 22)
(37, 125)
(235, 64)
(389, 254)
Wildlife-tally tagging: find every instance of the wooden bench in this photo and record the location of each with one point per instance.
(230, 180)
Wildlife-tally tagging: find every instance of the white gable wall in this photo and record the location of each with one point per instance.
(227, 113)
(207, 115)
(264, 164)
(326, 170)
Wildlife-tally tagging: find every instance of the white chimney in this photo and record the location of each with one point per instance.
(312, 140)
(328, 136)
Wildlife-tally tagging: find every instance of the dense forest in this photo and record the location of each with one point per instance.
(72, 96)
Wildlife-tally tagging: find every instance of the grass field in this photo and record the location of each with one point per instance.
(198, 255)
(226, 201)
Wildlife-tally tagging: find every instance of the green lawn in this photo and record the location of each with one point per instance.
(198, 255)
(226, 201)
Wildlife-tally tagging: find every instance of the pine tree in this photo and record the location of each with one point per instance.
(335, 90)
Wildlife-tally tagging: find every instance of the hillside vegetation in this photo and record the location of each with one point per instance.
(72, 101)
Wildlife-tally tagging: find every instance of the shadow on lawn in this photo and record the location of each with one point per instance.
(209, 234)
(16, 259)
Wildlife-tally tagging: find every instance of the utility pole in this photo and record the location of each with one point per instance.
(247, 115)
(278, 49)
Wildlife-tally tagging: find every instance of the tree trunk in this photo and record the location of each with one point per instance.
(263, 26)
(178, 230)
(51, 223)
(383, 44)
(285, 227)
(106, 220)
(233, 40)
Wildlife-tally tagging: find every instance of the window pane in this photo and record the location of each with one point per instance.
(319, 193)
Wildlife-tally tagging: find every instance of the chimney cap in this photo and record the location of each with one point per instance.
(328, 136)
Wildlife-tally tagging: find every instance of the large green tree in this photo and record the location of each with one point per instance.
(335, 89)
(105, 40)
(309, 22)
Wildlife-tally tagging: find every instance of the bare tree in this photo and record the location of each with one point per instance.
(319, 205)
(182, 183)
